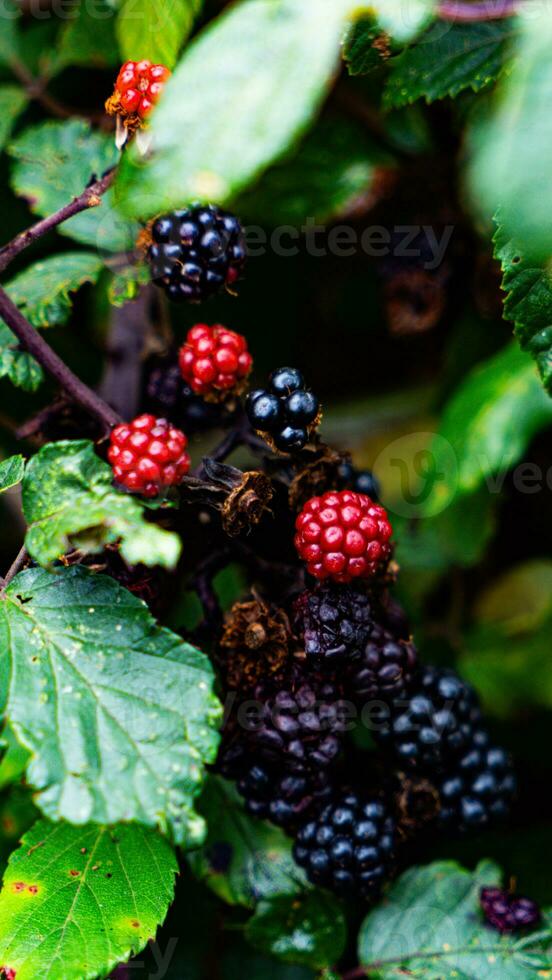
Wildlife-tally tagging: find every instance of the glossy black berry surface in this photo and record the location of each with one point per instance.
(196, 253)
(350, 847)
(478, 790)
(285, 410)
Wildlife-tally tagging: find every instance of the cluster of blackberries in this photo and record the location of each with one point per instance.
(286, 411)
(196, 252)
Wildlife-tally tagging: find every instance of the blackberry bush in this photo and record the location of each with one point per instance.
(298, 653)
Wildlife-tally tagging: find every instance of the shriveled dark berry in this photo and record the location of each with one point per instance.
(334, 622)
(509, 913)
(350, 847)
(385, 668)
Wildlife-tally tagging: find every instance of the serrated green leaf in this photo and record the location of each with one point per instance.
(88, 38)
(342, 162)
(234, 68)
(447, 59)
(12, 102)
(42, 292)
(15, 760)
(69, 500)
(15, 364)
(54, 163)
(11, 472)
(487, 425)
(242, 859)
(512, 149)
(308, 929)
(155, 31)
(77, 901)
(430, 925)
(528, 302)
(118, 714)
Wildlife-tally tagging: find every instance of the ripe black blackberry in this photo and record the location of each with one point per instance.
(349, 847)
(167, 395)
(286, 799)
(334, 622)
(299, 722)
(361, 481)
(432, 724)
(286, 412)
(509, 913)
(197, 252)
(478, 789)
(386, 667)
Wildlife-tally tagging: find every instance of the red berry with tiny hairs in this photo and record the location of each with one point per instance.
(148, 455)
(139, 85)
(343, 535)
(214, 359)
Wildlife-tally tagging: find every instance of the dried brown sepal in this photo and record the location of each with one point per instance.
(254, 643)
(247, 503)
(311, 431)
(382, 44)
(417, 804)
(228, 397)
(321, 473)
(145, 240)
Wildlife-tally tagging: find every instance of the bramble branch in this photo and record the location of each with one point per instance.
(90, 198)
(14, 568)
(37, 346)
(478, 10)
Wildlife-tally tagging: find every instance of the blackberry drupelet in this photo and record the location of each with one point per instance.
(508, 913)
(148, 455)
(432, 724)
(386, 666)
(167, 394)
(361, 481)
(335, 622)
(286, 799)
(197, 252)
(215, 361)
(478, 789)
(299, 722)
(349, 847)
(286, 411)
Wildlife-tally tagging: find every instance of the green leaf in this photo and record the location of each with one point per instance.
(488, 424)
(12, 102)
(155, 30)
(458, 535)
(88, 38)
(507, 653)
(17, 814)
(512, 149)
(528, 302)
(15, 760)
(430, 925)
(118, 714)
(11, 13)
(243, 859)
(308, 929)
(125, 284)
(258, 74)
(42, 292)
(365, 46)
(54, 163)
(11, 472)
(447, 59)
(342, 163)
(15, 364)
(77, 901)
(69, 500)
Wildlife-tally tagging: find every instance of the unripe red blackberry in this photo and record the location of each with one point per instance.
(138, 87)
(343, 535)
(349, 847)
(509, 913)
(196, 253)
(148, 455)
(214, 360)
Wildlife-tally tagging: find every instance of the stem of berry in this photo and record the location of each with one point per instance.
(14, 568)
(478, 10)
(37, 346)
(90, 198)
